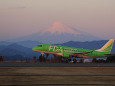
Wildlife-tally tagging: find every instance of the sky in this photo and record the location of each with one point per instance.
(19, 18)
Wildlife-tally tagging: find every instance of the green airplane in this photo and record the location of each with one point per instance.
(68, 52)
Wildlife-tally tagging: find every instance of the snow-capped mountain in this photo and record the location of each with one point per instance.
(59, 28)
(59, 33)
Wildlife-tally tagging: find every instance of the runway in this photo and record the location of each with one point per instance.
(57, 64)
(58, 76)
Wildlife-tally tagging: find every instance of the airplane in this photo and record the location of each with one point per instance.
(68, 52)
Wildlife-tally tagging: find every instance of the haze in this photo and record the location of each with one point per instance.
(19, 18)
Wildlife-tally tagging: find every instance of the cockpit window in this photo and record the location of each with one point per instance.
(39, 45)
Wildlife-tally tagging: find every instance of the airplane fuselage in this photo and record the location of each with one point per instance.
(68, 51)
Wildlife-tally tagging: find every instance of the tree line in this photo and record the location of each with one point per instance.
(110, 59)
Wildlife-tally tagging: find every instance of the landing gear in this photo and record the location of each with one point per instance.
(72, 60)
(42, 54)
(66, 60)
(81, 60)
(41, 57)
(47, 56)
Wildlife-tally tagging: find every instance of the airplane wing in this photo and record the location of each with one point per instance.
(80, 53)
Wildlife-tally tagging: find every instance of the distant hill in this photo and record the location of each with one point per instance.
(18, 50)
(5, 43)
(15, 51)
(2, 47)
(29, 43)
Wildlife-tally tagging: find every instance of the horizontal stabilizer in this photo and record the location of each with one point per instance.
(112, 54)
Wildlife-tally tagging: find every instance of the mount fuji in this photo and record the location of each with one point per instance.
(58, 33)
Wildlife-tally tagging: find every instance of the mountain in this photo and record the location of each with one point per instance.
(29, 43)
(59, 28)
(14, 51)
(2, 47)
(11, 52)
(58, 33)
(5, 43)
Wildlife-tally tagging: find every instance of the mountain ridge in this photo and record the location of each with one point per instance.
(17, 51)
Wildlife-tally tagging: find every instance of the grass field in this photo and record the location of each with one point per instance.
(55, 76)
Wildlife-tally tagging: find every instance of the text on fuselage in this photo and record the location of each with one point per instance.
(55, 48)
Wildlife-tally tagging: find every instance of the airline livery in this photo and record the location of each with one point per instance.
(75, 52)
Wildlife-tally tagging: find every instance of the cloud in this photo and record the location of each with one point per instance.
(19, 7)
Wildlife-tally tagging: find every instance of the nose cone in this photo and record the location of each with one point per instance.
(34, 49)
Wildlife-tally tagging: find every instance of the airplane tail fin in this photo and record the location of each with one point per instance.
(107, 47)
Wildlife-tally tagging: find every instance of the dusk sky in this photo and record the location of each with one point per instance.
(23, 17)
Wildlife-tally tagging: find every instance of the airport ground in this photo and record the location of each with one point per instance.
(32, 64)
(58, 76)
